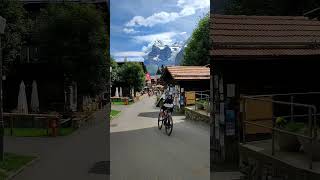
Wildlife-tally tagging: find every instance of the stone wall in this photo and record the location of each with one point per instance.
(196, 116)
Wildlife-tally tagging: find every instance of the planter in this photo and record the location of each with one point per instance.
(199, 106)
(206, 106)
(306, 146)
(287, 142)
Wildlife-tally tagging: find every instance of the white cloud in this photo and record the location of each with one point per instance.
(128, 54)
(157, 18)
(183, 33)
(121, 59)
(188, 8)
(165, 37)
(197, 4)
(130, 31)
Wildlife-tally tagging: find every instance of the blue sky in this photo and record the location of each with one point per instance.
(136, 24)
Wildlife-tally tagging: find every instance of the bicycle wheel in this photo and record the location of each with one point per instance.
(169, 126)
(160, 121)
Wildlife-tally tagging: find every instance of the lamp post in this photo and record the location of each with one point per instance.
(2, 27)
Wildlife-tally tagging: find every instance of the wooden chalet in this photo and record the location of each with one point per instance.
(191, 78)
(255, 55)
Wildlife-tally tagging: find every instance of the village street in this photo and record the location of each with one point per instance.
(139, 150)
(69, 157)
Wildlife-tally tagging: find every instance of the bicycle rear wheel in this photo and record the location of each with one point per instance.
(160, 121)
(169, 126)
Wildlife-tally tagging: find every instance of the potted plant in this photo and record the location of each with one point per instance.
(288, 142)
(199, 105)
(306, 145)
(205, 105)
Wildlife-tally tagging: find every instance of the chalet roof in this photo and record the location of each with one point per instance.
(239, 35)
(189, 72)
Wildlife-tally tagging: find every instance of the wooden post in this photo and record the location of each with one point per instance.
(48, 124)
(273, 131)
(311, 135)
(11, 125)
(244, 123)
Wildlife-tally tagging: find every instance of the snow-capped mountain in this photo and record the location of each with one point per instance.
(161, 54)
(180, 55)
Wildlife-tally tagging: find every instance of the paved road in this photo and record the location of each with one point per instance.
(140, 151)
(65, 158)
(225, 175)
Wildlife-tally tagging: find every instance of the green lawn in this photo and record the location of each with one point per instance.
(114, 113)
(36, 132)
(120, 103)
(12, 163)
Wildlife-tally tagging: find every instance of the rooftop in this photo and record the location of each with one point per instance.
(189, 72)
(240, 35)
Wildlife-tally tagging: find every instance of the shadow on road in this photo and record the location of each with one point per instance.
(155, 114)
(149, 114)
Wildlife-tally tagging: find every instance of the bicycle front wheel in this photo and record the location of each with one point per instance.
(169, 126)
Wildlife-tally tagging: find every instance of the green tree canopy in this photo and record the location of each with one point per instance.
(74, 36)
(16, 29)
(197, 50)
(132, 74)
(115, 71)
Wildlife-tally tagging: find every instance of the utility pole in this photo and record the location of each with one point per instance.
(2, 27)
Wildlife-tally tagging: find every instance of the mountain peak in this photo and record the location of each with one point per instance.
(158, 43)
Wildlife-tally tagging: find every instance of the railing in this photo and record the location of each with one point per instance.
(11, 118)
(312, 120)
(202, 96)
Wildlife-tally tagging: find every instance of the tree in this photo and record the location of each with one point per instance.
(74, 36)
(159, 72)
(132, 74)
(197, 50)
(16, 30)
(115, 71)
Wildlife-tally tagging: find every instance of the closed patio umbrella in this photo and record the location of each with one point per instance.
(34, 98)
(117, 92)
(22, 100)
(120, 92)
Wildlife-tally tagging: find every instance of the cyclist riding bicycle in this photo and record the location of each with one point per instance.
(168, 103)
(165, 114)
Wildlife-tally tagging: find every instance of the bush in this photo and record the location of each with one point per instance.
(199, 105)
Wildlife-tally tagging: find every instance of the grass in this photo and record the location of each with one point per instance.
(12, 163)
(114, 113)
(121, 103)
(36, 132)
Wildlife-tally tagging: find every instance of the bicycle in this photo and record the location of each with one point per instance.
(165, 119)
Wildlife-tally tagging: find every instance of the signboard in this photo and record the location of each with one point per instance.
(190, 97)
(2, 25)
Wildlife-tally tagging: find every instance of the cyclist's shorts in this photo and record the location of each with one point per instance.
(165, 108)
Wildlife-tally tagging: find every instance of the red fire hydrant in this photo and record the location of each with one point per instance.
(54, 126)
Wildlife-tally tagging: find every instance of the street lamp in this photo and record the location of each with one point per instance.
(2, 27)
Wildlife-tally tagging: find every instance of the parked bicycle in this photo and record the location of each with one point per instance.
(165, 119)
